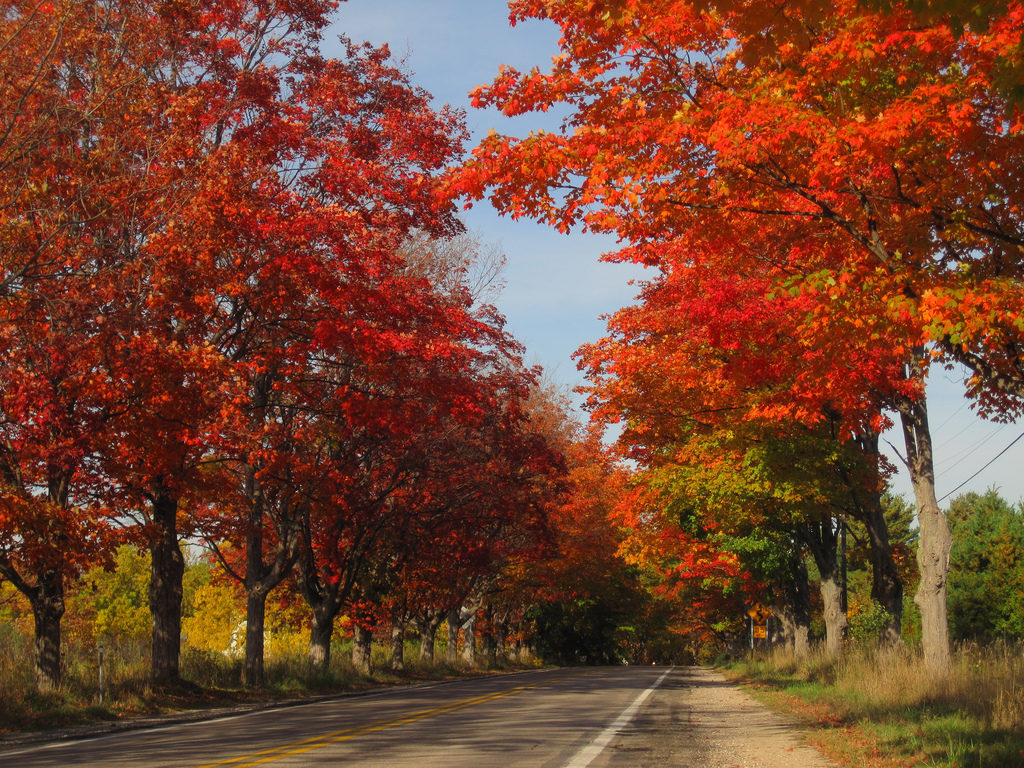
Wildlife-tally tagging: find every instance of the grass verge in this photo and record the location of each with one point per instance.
(128, 694)
(880, 708)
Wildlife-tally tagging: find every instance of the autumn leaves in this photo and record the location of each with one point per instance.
(209, 329)
(830, 195)
(230, 309)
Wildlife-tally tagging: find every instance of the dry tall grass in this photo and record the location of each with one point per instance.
(881, 708)
(127, 691)
(986, 682)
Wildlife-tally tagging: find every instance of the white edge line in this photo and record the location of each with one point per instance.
(586, 755)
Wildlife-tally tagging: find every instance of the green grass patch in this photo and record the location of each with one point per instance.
(882, 709)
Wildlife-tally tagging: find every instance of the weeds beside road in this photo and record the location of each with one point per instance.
(880, 708)
(127, 692)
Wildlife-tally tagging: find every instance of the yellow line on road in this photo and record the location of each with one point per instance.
(316, 742)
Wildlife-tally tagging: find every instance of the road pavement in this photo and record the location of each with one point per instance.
(606, 717)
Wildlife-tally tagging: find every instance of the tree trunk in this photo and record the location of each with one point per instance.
(934, 540)
(822, 540)
(46, 596)
(428, 633)
(793, 634)
(362, 640)
(397, 646)
(469, 640)
(325, 596)
(514, 638)
(454, 624)
(933, 562)
(261, 575)
(165, 589)
(47, 602)
(255, 613)
(835, 618)
(256, 595)
(886, 585)
(794, 614)
(325, 602)
(321, 631)
(487, 648)
(501, 639)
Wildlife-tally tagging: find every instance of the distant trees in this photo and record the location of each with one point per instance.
(986, 573)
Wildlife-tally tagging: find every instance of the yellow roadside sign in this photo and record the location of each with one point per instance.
(760, 632)
(759, 613)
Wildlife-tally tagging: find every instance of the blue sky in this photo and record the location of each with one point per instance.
(556, 289)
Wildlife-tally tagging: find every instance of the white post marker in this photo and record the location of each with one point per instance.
(586, 756)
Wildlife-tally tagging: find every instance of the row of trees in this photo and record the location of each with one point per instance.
(234, 311)
(830, 195)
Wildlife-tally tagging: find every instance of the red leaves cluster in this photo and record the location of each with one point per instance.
(207, 322)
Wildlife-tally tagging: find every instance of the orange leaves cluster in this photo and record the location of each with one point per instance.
(829, 192)
(854, 160)
(810, 139)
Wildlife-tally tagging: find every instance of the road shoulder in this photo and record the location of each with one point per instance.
(699, 718)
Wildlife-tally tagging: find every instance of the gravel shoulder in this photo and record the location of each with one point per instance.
(698, 719)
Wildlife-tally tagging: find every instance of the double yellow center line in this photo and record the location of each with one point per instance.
(334, 737)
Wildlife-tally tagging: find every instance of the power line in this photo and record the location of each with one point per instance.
(965, 453)
(991, 461)
(950, 417)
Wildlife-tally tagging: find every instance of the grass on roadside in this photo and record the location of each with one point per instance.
(127, 691)
(880, 708)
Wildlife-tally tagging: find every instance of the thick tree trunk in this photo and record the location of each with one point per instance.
(46, 595)
(469, 640)
(255, 613)
(321, 631)
(47, 602)
(792, 635)
(822, 540)
(397, 647)
(325, 597)
(934, 541)
(933, 562)
(165, 589)
(428, 634)
(794, 614)
(362, 642)
(454, 625)
(835, 617)
(325, 602)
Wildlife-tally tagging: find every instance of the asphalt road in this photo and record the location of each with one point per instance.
(610, 717)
